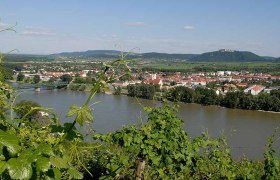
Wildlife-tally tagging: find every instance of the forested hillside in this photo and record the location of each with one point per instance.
(228, 56)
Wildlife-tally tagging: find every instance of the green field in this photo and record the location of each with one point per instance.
(264, 67)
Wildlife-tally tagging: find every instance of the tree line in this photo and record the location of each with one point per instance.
(146, 91)
(238, 99)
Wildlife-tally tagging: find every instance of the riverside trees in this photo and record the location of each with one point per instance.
(146, 91)
(20, 77)
(36, 79)
(262, 101)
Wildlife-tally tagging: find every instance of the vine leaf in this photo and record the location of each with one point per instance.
(59, 162)
(74, 173)
(11, 142)
(19, 170)
(43, 164)
(57, 173)
(53, 174)
(3, 166)
(45, 149)
(82, 114)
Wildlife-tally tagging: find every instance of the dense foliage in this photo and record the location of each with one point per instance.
(66, 78)
(36, 79)
(239, 56)
(163, 150)
(20, 77)
(117, 90)
(262, 101)
(193, 67)
(146, 91)
(23, 107)
(6, 74)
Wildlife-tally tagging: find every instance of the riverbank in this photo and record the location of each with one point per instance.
(88, 87)
(275, 112)
(110, 92)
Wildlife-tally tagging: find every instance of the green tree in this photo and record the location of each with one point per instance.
(117, 90)
(126, 77)
(51, 80)
(271, 163)
(206, 96)
(146, 91)
(275, 93)
(6, 73)
(66, 78)
(247, 101)
(36, 79)
(27, 80)
(173, 83)
(181, 94)
(231, 100)
(23, 107)
(20, 77)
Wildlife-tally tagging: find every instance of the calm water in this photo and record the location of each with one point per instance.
(247, 131)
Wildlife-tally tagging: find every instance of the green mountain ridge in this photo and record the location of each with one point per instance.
(228, 56)
(223, 55)
(116, 54)
(90, 53)
(25, 57)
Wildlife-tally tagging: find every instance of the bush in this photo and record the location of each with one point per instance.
(23, 107)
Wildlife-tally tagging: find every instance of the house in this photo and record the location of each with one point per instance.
(243, 85)
(199, 81)
(220, 73)
(83, 74)
(58, 74)
(230, 88)
(156, 81)
(255, 89)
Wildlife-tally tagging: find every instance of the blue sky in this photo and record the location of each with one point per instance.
(172, 26)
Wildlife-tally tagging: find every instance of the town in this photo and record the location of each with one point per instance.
(220, 81)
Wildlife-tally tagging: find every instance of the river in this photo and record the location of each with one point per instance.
(247, 131)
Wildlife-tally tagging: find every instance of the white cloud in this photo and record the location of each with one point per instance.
(137, 23)
(34, 31)
(189, 27)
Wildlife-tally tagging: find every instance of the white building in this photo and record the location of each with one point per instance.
(220, 73)
(255, 89)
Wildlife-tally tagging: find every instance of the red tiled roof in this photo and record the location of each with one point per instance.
(153, 81)
(258, 88)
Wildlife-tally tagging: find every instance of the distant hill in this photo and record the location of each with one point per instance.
(90, 53)
(226, 55)
(116, 54)
(25, 57)
(269, 58)
(168, 56)
(223, 55)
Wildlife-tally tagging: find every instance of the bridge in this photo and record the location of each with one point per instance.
(47, 85)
